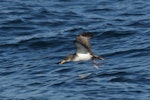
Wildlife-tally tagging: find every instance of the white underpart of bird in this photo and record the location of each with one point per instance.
(82, 57)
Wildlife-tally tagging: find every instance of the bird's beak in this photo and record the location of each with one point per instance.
(62, 62)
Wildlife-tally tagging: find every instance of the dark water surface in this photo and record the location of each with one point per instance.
(36, 34)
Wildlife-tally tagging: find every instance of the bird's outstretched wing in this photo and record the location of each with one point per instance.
(81, 48)
(84, 40)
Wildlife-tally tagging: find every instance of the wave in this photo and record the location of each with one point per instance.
(130, 52)
(36, 41)
(25, 36)
(140, 23)
(15, 21)
(115, 33)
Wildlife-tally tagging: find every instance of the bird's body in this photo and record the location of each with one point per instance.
(82, 57)
(83, 52)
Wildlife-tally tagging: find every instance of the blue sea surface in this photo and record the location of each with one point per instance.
(36, 34)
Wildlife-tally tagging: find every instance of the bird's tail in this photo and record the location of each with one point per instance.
(97, 57)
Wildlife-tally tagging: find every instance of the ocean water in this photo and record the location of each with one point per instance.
(36, 34)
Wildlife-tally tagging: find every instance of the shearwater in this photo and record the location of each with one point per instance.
(84, 51)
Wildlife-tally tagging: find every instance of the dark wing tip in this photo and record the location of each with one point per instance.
(87, 34)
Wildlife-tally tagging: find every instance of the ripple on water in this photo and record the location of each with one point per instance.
(34, 36)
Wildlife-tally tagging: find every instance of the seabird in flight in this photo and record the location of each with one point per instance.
(83, 52)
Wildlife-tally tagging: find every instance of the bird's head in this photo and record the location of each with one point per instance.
(66, 59)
